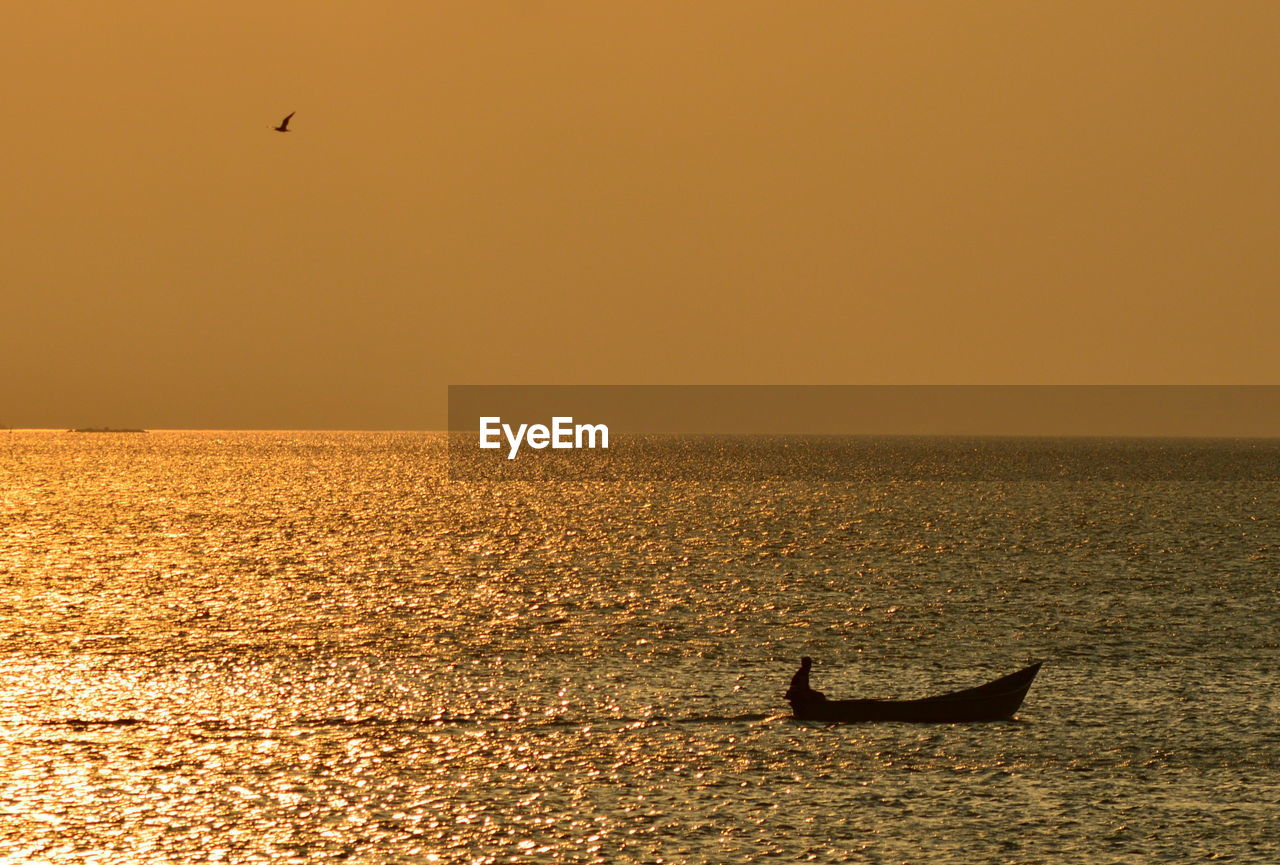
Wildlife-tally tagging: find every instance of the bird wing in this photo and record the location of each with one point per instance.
(285, 123)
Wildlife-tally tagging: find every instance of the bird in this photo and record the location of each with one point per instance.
(284, 124)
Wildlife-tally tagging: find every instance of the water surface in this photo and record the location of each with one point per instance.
(273, 647)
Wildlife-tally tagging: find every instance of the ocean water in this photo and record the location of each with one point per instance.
(299, 647)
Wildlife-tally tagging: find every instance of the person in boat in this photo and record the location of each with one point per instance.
(800, 692)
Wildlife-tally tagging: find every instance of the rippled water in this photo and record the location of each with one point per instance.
(305, 646)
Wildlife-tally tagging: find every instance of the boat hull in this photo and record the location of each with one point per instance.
(995, 701)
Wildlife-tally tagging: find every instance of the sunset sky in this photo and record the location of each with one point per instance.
(555, 192)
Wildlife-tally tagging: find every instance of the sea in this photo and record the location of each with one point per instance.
(317, 646)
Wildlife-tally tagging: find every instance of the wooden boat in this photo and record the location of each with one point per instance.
(994, 701)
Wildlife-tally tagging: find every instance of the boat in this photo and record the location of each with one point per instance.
(995, 701)
(105, 429)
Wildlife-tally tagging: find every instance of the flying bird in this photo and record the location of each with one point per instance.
(284, 124)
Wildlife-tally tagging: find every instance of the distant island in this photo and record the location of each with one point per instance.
(105, 429)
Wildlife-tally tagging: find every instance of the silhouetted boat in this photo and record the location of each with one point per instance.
(105, 429)
(994, 701)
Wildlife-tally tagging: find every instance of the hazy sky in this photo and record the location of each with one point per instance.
(614, 192)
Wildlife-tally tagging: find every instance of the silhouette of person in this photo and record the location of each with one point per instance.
(800, 690)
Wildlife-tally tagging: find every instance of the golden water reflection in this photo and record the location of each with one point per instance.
(275, 647)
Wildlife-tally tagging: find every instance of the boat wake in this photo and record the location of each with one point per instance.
(231, 727)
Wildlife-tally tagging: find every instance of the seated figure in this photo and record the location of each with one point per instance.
(800, 692)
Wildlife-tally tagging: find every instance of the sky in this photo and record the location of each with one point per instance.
(564, 192)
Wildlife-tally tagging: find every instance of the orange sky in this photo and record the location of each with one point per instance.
(612, 192)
